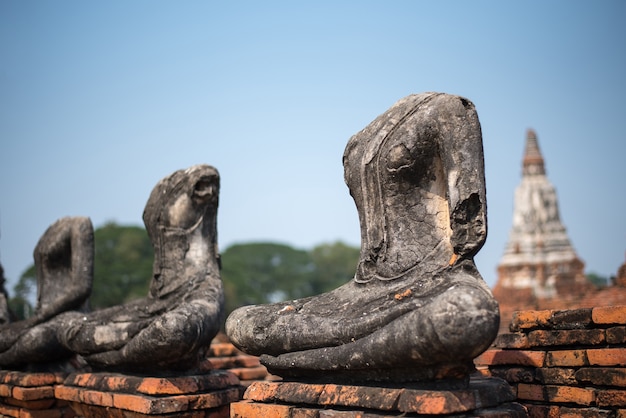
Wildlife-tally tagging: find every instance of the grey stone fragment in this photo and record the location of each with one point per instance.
(417, 308)
(64, 266)
(167, 330)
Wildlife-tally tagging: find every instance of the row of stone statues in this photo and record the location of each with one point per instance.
(416, 309)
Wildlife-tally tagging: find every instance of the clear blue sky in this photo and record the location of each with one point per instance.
(100, 100)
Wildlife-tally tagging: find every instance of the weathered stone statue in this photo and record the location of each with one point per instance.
(5, 312)
(64, 267)
(417, 308)
(166, 330)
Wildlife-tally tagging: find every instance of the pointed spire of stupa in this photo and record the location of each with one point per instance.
(533, 163)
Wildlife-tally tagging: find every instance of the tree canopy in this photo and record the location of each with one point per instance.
(267, 272)
(24, 293)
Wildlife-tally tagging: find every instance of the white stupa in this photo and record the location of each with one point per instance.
(539, 256)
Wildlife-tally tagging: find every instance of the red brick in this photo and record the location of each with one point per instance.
(247, 409)
(609, 397)
(571, 319)
(556, 376)
(513, 340)
(9, 411)
(568, 394)
(299, 393)
(5, 390)
(531, 392)
(566, 358)
(27, 394)
(221, 362)
(36, 404)
(616, 335)
(79, 379)
(359, 396)
(332, 413)
(3, 376)
(118, 383)
(30, 379)
(232, 362)
(250, 373)
(429, 402)
(607, 357)
(602, 376)
(45, 413)
(514, 374)
(523, 320)
(262, 391)
(609, 315)
(93, 411)
(555, 394)
(543, 411)
(178, 403)
(507, 410)
(167, 386)
(567, 412)
(306, 413)
(540, 338)
(150, 405)
(222, 350)
(494, 357)
(551, 319)
(96, 397)
(68, 393)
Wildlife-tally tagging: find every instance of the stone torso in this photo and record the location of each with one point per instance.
(396, 178)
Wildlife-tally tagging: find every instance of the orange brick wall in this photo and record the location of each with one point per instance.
(564, 362)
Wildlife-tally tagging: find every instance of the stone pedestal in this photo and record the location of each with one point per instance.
(97, 395)
(31, 395)
(482, 397)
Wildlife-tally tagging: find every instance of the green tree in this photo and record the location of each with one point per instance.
(597, 280)
(335, 265)
(264, 272)
(122, 264)
(24, 294)
(21, 308)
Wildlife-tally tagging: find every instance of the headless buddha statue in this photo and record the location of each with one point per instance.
(417, 308)
(166, 331)
(64, 258)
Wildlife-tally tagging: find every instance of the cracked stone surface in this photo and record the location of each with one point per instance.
(417, 307)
